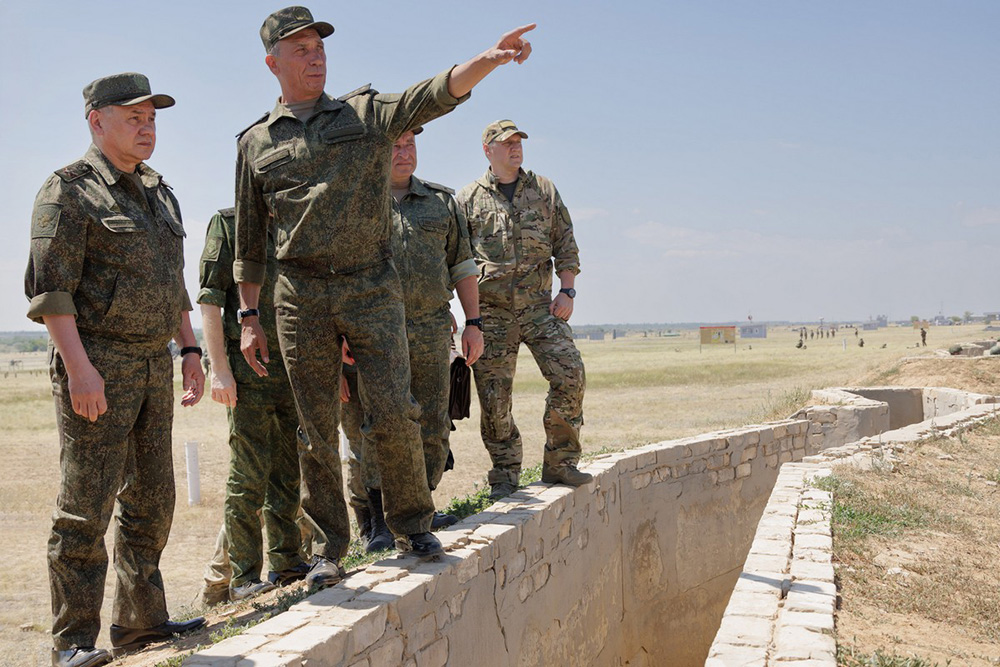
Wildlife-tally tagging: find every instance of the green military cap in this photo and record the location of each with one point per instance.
(501, 130)
(288, 21)
(123, 90)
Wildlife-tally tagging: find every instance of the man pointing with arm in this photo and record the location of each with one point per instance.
(317, 168)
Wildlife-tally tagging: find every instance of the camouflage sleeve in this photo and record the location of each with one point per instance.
(564, 249)
(460, 262)
(58, 245)
(251, 224)
(420, 103)
(215, 273)
(463, 199)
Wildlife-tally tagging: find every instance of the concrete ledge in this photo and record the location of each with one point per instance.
(674, 545)
(793, 542)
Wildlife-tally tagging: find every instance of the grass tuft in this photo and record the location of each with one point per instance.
(851, 657)
(860, 512)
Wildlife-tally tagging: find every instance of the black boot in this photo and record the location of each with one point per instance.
(364, 518)
(381, 537)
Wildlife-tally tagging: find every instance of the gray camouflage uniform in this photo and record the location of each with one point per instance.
(325, 186)
(113, 257)
(516, 245)
(430, 248)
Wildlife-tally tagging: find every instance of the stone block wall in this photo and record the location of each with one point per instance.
(840, 416)
(635, 568)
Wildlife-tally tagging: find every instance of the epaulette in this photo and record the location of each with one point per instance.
(256, 122)
(74, 171)
(438, 186)
(164, 183)
(227, 212)
(363, 90)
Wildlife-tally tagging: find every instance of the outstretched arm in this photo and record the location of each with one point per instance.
(511, 46)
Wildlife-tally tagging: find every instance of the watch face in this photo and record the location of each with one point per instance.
(570, 292)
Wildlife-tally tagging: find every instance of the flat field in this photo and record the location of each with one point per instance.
(639, 390)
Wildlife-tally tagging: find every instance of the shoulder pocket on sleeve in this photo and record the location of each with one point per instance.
(45, 221)
(213, 248)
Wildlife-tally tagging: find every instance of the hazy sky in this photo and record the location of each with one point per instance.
(787, 159)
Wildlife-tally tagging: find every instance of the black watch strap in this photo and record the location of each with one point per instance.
(568, 291)
(249, 312)
(475, 322)
(189, 350)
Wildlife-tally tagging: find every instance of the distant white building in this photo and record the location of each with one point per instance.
(753, 331)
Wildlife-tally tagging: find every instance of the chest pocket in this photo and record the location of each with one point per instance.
(433, 225)
(336, 135)
(173, 219)
(275, 158)
(121, 224)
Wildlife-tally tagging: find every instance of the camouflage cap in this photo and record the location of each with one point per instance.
(123, 90)
(501, 130)
(288, 21)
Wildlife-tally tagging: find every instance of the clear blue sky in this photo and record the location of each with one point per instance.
(786, 159)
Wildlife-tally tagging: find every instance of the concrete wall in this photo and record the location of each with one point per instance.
(905, 403)
(782, 610)
(635, 568)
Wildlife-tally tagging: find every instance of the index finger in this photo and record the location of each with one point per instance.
(517, 32)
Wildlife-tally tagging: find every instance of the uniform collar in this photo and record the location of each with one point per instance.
(324, 103)
(110, 173)
(489, 179)
(418, 188)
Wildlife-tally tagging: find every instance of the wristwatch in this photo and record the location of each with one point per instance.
(475, 322)
(249, 312)
(568, 291)
(191, 349)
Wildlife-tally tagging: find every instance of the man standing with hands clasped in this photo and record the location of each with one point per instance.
(520, 228)
(105, 277)
(317, 169)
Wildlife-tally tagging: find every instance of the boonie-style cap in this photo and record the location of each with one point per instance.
(288, 21)
(124, 90)
(501, 130)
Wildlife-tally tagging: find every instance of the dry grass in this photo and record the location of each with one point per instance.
(916, 555)
(639, 391)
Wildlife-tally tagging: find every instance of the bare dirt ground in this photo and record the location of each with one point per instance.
(639, 390)
(916, 552)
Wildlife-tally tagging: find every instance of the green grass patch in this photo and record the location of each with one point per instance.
(234, 627)
(858, 513)
(851, 657)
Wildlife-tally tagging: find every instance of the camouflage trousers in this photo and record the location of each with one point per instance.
(219, 571)
(263, 473)
(428, 342)
(124, 456)
(367, 308)
(351, 418)
(550, 341)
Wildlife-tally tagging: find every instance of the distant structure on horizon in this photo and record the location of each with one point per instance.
(753, 331)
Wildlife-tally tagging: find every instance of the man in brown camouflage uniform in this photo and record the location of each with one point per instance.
(430, 248)
(316, 167)
(105, 277)
(519, 225)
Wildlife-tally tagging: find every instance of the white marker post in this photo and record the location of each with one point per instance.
(345, 447)
(194, 479)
